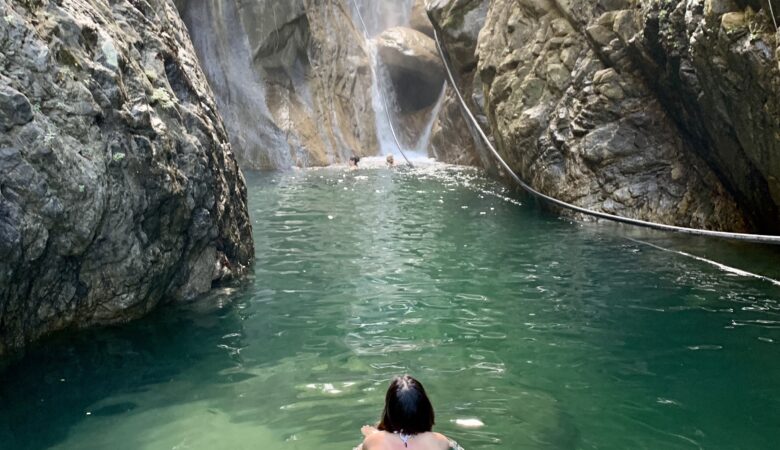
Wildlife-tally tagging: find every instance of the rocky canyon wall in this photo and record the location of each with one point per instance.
(715, 67)
(118, 187)
(452, 139)
(659, 110)
(292, 79)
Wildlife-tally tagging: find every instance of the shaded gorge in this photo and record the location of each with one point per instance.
(556, 335)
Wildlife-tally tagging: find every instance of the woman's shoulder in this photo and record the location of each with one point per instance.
(447, 442)
(440, 437)
(444, 441)
(376, 440)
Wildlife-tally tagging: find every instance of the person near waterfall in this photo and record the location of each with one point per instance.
(407, 421)
(390, 160)
(353, 162)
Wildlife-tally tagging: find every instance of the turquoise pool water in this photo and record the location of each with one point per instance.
(555, 335)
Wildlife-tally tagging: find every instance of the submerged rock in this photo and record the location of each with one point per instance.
(118, 189)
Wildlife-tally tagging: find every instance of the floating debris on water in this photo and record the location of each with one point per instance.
(469, 423)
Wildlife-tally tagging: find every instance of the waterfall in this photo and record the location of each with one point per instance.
(379, 16)
(385, 139)
(425, 137)
(283, 97)
(224, 52)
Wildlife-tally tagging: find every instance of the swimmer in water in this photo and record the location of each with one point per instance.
(407, 421)
(353, 162)
(390, 161)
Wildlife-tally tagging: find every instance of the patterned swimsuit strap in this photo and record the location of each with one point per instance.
(405, 438)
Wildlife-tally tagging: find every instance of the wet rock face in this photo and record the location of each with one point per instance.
(452, 138)
(568, 102)
(419, 19)
(226, 58)
(714, 65)
(297, 86)
(414, 65)
(118, 189)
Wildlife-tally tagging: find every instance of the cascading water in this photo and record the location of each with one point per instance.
(381, 15)
(425, 137)
(382, 97)
(292, 91)
(284, 102)
(225, 55)
(378, 17)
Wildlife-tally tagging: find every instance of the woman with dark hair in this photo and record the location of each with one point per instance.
(353, 162)
(407, 421)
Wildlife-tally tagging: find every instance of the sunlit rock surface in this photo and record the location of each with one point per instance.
(414, 66)
(714, 65)
(453, 140)
(292, 78)
(418, 19)
(118, 188)
(226, 58)
(412, 71)
(637, 108)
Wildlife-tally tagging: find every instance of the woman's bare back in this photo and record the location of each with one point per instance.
(382, 440)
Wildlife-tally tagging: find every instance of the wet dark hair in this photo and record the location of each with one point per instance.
(354, 158)
(407, 408)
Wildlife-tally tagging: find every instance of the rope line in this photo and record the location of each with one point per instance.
(381, 95)
(755, 238)
(772, 12)
(720, 266)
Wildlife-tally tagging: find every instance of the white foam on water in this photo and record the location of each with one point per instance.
(469, 423)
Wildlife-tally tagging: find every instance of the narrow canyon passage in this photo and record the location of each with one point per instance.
(187, 261)
(555, 335)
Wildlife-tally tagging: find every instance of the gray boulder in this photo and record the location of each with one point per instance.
(15, 109)
(418, 19)
(414, 66)
(453, 140)
(118, 188)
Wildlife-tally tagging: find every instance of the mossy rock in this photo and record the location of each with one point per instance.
(65, 57)
(734, 22)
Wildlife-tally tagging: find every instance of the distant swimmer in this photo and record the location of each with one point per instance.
(353, 162)
(407, 421)
(390, 161)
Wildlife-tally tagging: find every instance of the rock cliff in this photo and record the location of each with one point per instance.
(118, 188)
(414, 66)
(660, 110)
(715, 67)
(293, 78)
(411, 75)
(452, 138)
